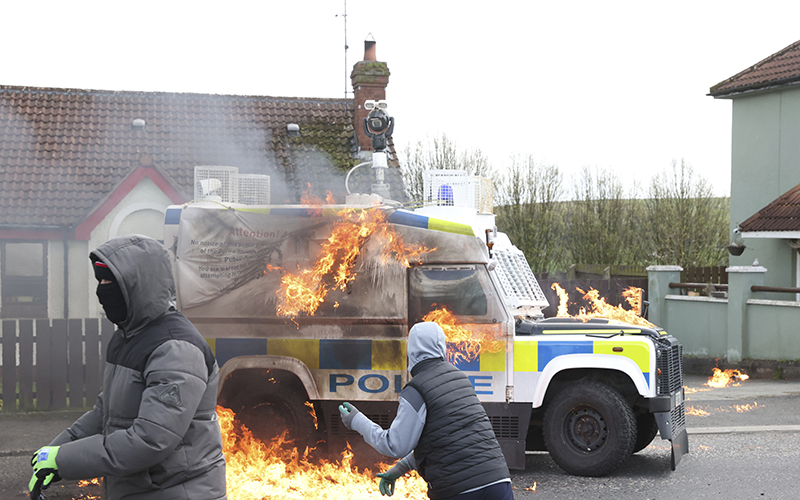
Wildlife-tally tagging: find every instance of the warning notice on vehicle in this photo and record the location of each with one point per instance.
(220, 250)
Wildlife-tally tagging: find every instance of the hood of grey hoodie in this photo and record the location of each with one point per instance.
(143, 270)
(425, 341)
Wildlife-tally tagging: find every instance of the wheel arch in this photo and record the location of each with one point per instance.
(579, 364)
(286, 364)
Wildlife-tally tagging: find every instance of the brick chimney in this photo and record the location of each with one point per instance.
(369, 78)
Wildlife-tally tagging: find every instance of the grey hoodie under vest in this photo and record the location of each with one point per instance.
(457, 450)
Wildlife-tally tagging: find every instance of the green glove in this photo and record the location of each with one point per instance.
(387, 483)
(348, 412)
(45, 469)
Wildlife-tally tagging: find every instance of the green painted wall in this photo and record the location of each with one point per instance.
(745, 325)
(765, 163)
(772, 330)
(700, 323)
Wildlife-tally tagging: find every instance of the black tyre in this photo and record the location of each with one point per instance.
(589, 429)
(271, 410)
(646, 430)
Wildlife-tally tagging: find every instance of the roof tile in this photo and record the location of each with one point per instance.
(783, 214)
(780, 69)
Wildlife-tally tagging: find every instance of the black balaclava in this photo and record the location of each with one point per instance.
(110, 294)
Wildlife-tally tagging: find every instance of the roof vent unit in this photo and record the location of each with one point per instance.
(456, 188)
(253, 189)
(138, 124)
(213, 183)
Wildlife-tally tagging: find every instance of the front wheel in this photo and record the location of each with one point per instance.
(589, 429)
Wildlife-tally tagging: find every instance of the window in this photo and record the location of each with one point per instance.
(465, 290)
(24, 280)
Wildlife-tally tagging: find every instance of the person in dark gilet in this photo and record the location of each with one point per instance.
(441, 428)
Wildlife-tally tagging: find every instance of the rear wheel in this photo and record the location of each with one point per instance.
(268, 409)
(589, 429)
(647, 428)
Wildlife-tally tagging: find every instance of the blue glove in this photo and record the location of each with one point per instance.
(45, 470)
(348, 412)
(387, 483)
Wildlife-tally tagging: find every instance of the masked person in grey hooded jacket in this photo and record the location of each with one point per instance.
(441, 428)
(153, 432)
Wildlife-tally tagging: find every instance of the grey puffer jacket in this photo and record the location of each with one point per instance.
(154, 432)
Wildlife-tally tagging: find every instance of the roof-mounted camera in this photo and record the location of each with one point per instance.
(378, 125)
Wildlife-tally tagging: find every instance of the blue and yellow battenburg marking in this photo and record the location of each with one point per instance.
(404, 218)
(534, 355)
(344, 354)
(401, 217)
(319, 354)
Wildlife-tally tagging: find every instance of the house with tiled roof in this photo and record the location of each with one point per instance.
(765, 164)
(78, 167)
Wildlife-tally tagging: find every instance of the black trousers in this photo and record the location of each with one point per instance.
(499, 491)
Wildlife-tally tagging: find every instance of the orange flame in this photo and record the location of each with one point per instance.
(466, 341)
(313, 413)
(93, 485)
(305, 291)
(726, 378)
(86, 482)
(697, 412)
(744, 408)
(597, 307)
(563, 300)
(258, 471)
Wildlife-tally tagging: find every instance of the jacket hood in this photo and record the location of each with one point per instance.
(143, 270)
(425, 341)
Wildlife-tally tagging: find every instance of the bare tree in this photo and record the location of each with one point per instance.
(686, 224)
(603, 223)
(439, 153)
(527, 204)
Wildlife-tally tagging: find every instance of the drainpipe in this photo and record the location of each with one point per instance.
(64, 242)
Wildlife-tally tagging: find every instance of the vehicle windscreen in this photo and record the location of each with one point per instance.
(465, 290)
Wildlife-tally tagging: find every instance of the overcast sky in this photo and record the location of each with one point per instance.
(617, 85)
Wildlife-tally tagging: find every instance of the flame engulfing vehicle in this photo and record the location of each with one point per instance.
(310, 305)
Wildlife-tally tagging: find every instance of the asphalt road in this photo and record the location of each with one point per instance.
(749, 454)
(745, 446)
(762, 465)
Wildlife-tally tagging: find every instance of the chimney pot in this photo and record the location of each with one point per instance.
(369, 50)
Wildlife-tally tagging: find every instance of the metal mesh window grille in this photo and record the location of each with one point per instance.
(517, 279)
